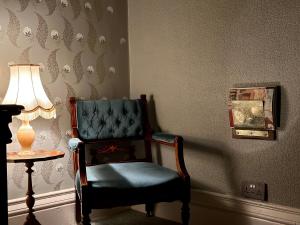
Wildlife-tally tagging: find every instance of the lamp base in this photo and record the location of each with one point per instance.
(26, 136)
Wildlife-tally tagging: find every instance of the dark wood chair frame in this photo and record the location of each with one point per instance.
(79, 163)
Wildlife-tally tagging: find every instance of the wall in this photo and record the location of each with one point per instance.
(187, 54)
(213, 208)
(103, 50)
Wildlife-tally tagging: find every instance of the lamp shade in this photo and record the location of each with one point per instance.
(25, 88)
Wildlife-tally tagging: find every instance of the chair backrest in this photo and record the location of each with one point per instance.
(111, 120)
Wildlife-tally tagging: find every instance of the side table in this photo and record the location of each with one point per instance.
(40, 155)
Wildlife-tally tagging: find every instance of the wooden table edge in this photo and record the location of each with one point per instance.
(12, 156)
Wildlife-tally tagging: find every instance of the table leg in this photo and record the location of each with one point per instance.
(30, 219)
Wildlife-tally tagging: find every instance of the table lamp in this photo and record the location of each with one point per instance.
(25, 88)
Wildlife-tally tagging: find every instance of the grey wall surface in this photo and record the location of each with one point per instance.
(187, 54)
(104, 47)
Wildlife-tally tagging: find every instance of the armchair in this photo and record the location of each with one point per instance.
(112, 123)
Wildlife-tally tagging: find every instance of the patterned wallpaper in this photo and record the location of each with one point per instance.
(82, 49)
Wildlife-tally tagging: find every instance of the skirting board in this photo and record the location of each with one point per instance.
(206, 208)
(56, 207)
(219, 209)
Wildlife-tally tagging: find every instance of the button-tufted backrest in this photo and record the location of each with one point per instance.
(105, 119)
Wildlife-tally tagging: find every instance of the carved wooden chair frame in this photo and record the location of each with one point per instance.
(79, 162)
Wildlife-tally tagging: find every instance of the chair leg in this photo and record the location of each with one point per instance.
(85, 211)
(86, 217)
(149, 209)
(185, 213)
(77, 209)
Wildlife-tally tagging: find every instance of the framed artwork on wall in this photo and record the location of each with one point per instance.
(254, 112)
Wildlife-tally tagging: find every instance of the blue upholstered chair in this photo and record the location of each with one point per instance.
(111, 123)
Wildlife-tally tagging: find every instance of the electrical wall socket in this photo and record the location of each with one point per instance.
(254, 190)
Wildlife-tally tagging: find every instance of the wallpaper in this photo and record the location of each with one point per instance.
(81, 47)
(187, 54)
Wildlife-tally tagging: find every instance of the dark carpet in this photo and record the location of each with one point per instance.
(133, 218)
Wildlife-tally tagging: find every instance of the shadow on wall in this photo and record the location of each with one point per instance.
(194, 144)
(156, 128)
(152, 114)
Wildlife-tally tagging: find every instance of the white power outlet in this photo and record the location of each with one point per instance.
(254, 190)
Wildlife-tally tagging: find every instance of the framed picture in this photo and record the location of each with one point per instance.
(254, 112)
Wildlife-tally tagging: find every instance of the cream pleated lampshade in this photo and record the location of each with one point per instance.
(25, 88)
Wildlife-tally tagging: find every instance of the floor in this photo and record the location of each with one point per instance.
(131, 217)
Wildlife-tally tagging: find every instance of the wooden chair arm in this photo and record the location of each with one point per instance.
(176, 142)
(164, 138)
(81, 163)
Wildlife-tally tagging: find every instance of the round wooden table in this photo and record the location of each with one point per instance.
(39, 155)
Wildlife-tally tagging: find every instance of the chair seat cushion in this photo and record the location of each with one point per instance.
(131, 183)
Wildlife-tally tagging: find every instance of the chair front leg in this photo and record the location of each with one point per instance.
(185, 213)
(77, 209)
(149, 209)
(85, 214)
(85, 208)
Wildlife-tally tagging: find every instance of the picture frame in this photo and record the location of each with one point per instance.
(254, 112)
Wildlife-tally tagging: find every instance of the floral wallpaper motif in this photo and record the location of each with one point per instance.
(13, 28)
(52, 65)
(51, 6)
(76, 7)
(92, 37)
(74, 42)
(78, 70)
(42, 31)
(23, 4)
(68, 34)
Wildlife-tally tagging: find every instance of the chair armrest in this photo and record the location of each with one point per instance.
(176, 142)
(73, 144)
(164, 138)
(78, 148)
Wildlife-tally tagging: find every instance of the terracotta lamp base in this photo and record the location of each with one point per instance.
(26, 136)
